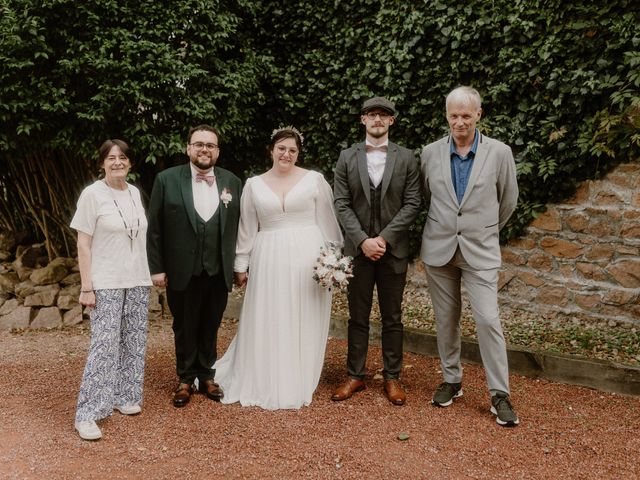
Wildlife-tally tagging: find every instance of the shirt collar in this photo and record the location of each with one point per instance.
(385, 143)
(474, 147)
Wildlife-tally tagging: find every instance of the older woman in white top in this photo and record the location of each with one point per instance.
(112, 257)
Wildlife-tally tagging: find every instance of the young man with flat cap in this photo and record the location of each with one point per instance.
(377, 199)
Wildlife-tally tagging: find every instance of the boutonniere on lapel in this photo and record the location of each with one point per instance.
(226, 197)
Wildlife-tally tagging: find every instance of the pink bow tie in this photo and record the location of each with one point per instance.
(207, 178)
(371, 148)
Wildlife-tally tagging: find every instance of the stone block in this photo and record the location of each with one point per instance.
(630, 231)
(8, 282)
(607, 197)
(620, 297)
(627, 250)
(553, 295)
(601, 228)
(9, 306)
(47, 317)
(587, 301)
(577, 222)
(591, 271)
(549, 220)
(18, 318)
(66, 262)
(48, 275)
(23, 273)
(540, 261)
(523, 243)
(516, 289)
(67, 302)
(24, 289)
(599, 253)
(73, 316)
(635, 200)
(512, 257)
(43, 297)
(561, 248)
(626, 272)
(531, 279)
(504, 277)
(71, 279)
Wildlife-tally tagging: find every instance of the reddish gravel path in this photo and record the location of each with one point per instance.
(565, 431)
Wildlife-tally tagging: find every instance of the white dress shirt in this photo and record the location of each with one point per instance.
(205, 198)
(376, 162)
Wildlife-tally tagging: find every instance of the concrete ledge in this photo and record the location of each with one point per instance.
(598, 374)
(574, 370)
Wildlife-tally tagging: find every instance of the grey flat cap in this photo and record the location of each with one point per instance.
(379, 102)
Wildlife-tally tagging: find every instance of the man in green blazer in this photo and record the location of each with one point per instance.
(191, 240)
(377, 198)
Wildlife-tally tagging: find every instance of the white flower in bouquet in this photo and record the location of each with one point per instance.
(332, 269)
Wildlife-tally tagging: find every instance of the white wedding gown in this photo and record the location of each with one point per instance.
(276, 357)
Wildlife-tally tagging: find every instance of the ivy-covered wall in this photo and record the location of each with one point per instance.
(560, 83)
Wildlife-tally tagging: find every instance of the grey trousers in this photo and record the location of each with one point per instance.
(482, 289)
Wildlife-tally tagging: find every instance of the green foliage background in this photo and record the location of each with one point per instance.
(560, 83)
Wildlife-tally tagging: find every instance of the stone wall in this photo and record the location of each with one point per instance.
(35, 293)
(581, 257)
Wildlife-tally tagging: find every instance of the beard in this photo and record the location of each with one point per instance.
(203, 162)
(377, 131)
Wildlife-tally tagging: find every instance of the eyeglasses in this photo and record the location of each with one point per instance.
(200, 146)
(383, 116)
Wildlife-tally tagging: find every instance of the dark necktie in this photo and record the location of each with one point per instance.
(207, 178)
(371, 148)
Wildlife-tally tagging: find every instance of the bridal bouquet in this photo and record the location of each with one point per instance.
(333, 269)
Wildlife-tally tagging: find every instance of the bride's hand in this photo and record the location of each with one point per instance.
(240, 278)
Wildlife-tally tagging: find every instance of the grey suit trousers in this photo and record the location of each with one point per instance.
(482, 288)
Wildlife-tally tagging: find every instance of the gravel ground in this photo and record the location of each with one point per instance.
(565, 432)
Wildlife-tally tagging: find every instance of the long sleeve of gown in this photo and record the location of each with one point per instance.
(247, 230)
(325, 213)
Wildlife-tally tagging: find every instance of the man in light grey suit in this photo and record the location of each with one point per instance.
(377, 198)
(469, 182)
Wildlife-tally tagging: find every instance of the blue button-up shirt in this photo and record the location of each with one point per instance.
(461, 167)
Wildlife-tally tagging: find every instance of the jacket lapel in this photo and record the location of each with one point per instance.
(187, 195)
(390, 165)
(361, 157)
(222, 184)
(445, 155)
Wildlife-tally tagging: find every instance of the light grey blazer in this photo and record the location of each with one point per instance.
(474, 225)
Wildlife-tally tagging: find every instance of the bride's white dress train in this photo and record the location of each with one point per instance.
(276, 357)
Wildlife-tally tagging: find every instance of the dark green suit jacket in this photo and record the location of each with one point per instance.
(171, 235)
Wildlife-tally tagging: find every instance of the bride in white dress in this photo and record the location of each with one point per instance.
(287, 214)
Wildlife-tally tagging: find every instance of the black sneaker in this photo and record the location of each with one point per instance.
(445, 393)
(502, 409)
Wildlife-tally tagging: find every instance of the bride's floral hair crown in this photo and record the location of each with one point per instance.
(289, 128)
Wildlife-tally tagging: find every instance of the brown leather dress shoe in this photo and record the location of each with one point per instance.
(182, 395)
(212, 390)
(347, 389)
(394, 392)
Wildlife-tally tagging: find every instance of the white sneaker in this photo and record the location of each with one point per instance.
(128, 409)
(88, 430)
